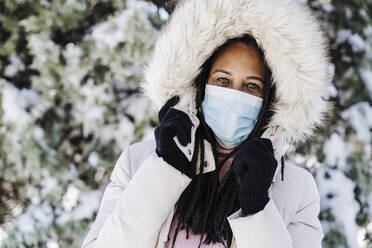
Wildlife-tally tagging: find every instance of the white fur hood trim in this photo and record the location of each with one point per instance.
(286, 30)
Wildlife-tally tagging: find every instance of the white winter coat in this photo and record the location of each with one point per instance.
(140, 200)
(138, 205)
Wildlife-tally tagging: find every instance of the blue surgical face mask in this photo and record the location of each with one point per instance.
(230, 113)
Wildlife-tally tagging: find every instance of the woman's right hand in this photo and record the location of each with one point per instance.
(174, 122)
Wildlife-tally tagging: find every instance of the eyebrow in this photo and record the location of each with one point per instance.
(249, 77)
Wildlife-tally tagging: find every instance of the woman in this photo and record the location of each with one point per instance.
(236, 81)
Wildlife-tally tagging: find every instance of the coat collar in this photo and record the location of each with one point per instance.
(274, 134)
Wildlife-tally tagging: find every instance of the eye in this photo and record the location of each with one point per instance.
(223, 81)
(252, 86)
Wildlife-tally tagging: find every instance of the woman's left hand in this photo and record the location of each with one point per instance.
(254, 167)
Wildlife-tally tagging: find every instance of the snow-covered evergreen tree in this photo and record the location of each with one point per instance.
(340, 155)
(70, 104)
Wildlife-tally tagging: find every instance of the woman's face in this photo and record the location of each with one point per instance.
(239, 67)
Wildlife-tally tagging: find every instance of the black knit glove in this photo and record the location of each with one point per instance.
(254, 167)
(173, 122)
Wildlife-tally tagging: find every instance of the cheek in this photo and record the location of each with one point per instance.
(210, 81)
(259, 94)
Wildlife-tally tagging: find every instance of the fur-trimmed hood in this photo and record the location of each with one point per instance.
(287, 32)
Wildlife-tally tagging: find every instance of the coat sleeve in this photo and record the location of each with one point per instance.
(120, 177)
(267, 228)
(133, 208)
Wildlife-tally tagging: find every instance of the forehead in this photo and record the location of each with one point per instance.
(239, 56)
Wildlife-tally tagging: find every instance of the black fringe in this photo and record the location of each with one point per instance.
(206, 203)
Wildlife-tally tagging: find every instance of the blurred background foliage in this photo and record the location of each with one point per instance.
(70, 103)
